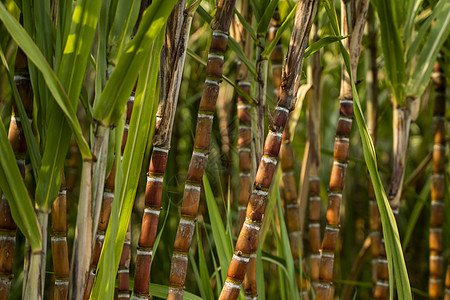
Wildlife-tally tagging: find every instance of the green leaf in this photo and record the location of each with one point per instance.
(246, 26)
(32, 146)
(35, 55)
(109, 108)
(224, 246)
(140, 126)
(322, 43)
(265, 19)
(14, 189)
(287, 253)
(285, 25)
(206, 289)
(436, 38)
(260, 284)
(394, 252)
(392, 46)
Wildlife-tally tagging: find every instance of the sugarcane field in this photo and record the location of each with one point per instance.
(224, 149)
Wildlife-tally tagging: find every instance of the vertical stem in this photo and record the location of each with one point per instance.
(58, 239)
(248, 237)
(123, 274)
(173, 58)
(82, 247)
(437, 185)
(101, 142)
(214, 70)
(314, 154)
(325, 288)
(372, 124)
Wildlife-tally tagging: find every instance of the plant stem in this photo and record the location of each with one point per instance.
(82, 247)
(172, 65)
(248, 237)
(214, 70)
(325, 288)
(437, 185)
(314, 154)
(100, 148)
(60, 253)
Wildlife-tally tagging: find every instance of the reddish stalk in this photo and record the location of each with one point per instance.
(16, 138)
(173, 57)
(60, 252)
(248, 237)
(325, 287)
(437, 185)
(214, 69)
(314, 154)
(288, 189)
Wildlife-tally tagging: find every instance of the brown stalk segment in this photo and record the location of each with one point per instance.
(437, 185)
(372, 108)
(214, 68)
(314, 199)
(16, 138)
(60, 254)
(244, 148)
(123, 273)
(171, 69)
(341, 146)
(108, 196)
(248, 237)
(289, 193)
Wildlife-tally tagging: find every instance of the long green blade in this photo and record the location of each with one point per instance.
(34, 54)
(14, 189)
(436, 38)
(109, 108)
(392, 46)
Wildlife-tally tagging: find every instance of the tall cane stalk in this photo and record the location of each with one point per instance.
(172, 64)
(16, 138)
(60, 252)
(437, 185)
(248, 237)
(325, 288)
(288, 188)
(314, 76)
(214, 69)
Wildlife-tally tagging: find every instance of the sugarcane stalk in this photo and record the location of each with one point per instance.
(60, 254)
(172, 64)
(16, 138)
(314, 199)
(108, 196)
(214, 70)
(123, 273)
(341, 146)
(82, 247)
(437, 185)
(372, 124)
(288, 188)
(105, 212)
(248, 237)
